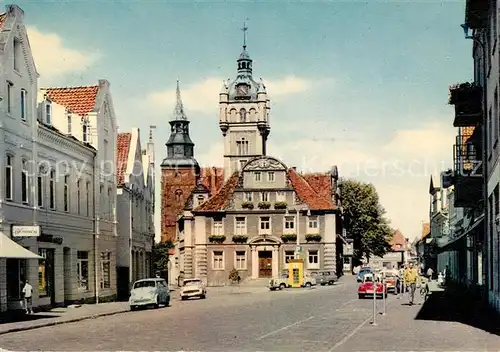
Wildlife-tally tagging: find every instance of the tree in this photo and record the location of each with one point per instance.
(161, 257)
(364, 219)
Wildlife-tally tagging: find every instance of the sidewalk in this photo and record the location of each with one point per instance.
(64, 315)
(443, 323)
(90, 311)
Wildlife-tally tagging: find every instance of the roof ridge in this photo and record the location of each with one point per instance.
(226, 191)
(70, 87)
(303, 179)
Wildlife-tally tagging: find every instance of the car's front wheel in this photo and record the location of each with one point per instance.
(282, 286)
(308, 285)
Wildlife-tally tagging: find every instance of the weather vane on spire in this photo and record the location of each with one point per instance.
(244, 29)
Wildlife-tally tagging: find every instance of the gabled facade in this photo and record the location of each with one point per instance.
(135, 209)
(48, 192)
(86, 113)
(252, 225)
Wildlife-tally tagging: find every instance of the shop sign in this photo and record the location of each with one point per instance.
(25, 231)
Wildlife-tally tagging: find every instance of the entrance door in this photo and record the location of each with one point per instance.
(265, 264)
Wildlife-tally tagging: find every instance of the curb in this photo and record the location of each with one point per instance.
(52, 323)
(74, 320)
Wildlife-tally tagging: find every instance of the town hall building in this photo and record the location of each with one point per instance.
(256, 213)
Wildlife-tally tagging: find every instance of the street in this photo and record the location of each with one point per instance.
(298, 319)
(319, 319)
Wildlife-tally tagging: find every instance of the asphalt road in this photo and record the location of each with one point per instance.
(292, 320)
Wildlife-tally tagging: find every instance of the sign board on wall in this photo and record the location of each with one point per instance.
(25, 231)
(348, 249)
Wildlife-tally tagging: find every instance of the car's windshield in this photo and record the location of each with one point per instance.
(140, 284)
(192, 283)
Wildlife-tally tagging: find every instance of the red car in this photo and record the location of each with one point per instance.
(366, 288)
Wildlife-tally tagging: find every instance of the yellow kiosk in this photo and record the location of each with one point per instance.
(296, 272)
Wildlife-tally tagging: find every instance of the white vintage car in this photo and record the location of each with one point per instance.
(149, 292)
(193, 288)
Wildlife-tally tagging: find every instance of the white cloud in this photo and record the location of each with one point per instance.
(204, 95)
(53, 58)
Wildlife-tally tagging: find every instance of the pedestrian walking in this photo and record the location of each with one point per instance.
(430, 272)
(28, 297)
(410, 280)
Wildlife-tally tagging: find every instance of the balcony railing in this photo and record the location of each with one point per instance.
(467, 173)
(467, 98)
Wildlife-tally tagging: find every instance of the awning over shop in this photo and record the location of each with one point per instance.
(446, 243)
(11, 250)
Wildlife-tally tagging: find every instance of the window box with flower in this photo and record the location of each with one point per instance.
(247, 205)
(264, 205)
(280, 205)
(216, 238)
(240, 238)
(313, 237)
(289, 237)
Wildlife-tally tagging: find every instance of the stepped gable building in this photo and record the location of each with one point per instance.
(251, 222)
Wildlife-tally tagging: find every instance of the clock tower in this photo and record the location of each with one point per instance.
(244, 116)
(179, 171)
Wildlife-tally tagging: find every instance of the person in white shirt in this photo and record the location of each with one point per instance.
(28, 297)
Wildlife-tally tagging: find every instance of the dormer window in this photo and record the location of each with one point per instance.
(85, 131)
(48, 112)
(68, 118)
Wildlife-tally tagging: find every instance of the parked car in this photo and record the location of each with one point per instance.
(326, 277)
(282, 282)
(149, 292)
(193, 288)
(279, 283)
(370, 286)
(390, 277)
(362, 272)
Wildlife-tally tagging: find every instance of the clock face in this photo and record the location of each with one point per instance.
(242, 89)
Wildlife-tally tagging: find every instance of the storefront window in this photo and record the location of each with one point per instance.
(42, 273)
(16, 273)
(83, 270)
(105, 270)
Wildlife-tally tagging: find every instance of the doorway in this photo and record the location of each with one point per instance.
(265, 264)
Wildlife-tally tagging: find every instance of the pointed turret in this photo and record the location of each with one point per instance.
(180, 147)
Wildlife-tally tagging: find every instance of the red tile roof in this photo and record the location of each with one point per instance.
(3, 16)
(307, 194)
(122, 150)
(220, 200)
(212, 178)
(398, 241)
(321, 183)
(426, 230)
(79, 100)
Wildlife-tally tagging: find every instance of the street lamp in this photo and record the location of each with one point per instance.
(297, 212)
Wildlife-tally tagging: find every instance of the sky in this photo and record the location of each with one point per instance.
(358, 84)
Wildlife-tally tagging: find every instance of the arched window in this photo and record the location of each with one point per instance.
(24, 182)
(243, 115)
(178, 195)
(52, 189)
(40, 187)
(66, 193)
(9, 177)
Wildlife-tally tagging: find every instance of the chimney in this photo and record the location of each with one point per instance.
(213, 179)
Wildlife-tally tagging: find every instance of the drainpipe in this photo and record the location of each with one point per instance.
(130, 276)
(96, 231)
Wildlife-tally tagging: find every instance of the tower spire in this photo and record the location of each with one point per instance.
(179, 108)
(244, 29)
